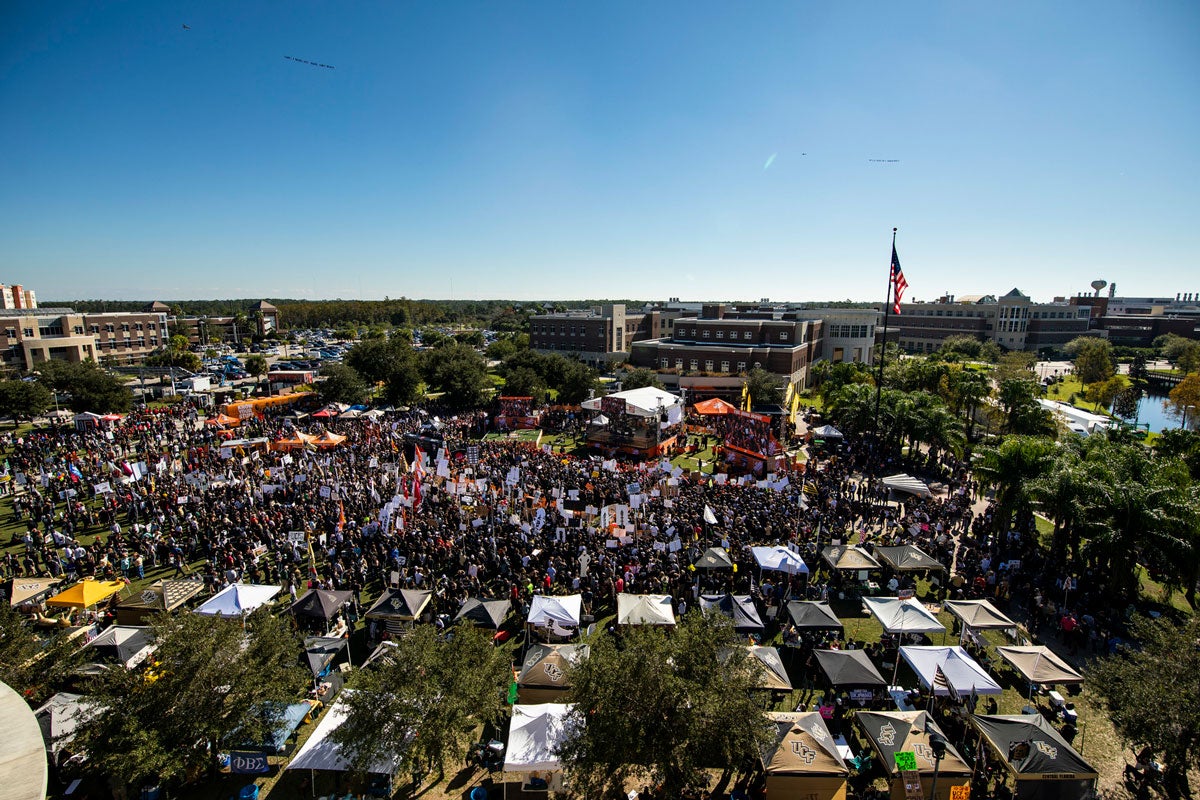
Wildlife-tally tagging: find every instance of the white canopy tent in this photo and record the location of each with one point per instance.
(321, 752)
(559, 614)
(534, 735)
(962, 671)
(778, 559)
(645, 609)
(903, 616)
(645, 402)
(24, 771)
(902, 482)
(238, 599)
(826, 432)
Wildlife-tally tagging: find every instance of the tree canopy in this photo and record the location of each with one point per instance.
(684, 697)
(217, 685)
(423, 701)
(1151, 690)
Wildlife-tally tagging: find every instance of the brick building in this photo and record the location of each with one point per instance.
(1012, 321)
(597, 336)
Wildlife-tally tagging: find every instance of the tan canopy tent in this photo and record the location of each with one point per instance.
(543, 676)
(1039, 664)
(846, 557)
(31, 590)
(164, 595)
(978, 614)
(86, 593)
(645, 609)
(891, 732)
(772, 674)
(328, 439)
(802, 760)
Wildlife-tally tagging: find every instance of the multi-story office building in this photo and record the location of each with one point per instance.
(598, 336)
(723, 342)
(1012, 321)
(32, 335)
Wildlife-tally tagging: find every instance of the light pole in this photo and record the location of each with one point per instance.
(937, 743)
(1183, 425)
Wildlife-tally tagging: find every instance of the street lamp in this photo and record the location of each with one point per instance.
(1183, 425)
(938, 744)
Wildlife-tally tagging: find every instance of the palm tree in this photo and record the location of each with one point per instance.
(1145, 509)
(1063, 495)
(1011, 468)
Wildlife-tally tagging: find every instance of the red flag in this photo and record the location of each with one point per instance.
(897, 280)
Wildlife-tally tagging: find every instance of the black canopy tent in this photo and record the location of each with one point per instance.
(849, 669)
(320, 604)
(714, 558)
(809, 614)
(907, 558)
(1043, 763)
(738, 607)
(484, 613)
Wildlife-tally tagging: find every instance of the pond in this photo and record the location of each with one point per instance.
(1153, 410)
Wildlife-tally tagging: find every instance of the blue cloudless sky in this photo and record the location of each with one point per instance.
(706, 150)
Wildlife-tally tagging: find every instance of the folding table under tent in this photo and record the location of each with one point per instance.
(849, 557)
(962, 671)
(714, 558)
(738, 607)
(161, 596)
(779, 559)
(484, 613)
(1044, 764)
(801, 760)
(127, 645)
(237, 600)
(556, 615)
(544, 675)
(813, 615)
(902, 482)
(645, 609)
(849, 669)
(907, 558)
(320, 752)
(891, 732)
(535, 733)
(1040, 665)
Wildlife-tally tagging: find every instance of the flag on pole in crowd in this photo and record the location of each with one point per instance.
(709, 516)
(76, 475)
(418, 463)
(898, 281)
(746, 396)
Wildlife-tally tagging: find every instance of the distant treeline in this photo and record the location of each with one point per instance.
(499, 314)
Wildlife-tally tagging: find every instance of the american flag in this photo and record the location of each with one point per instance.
(897, 280)
(940, 681)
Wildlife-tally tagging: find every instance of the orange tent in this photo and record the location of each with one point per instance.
(299, 440)
(328, 439)
(223, 420)
(714, 406)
